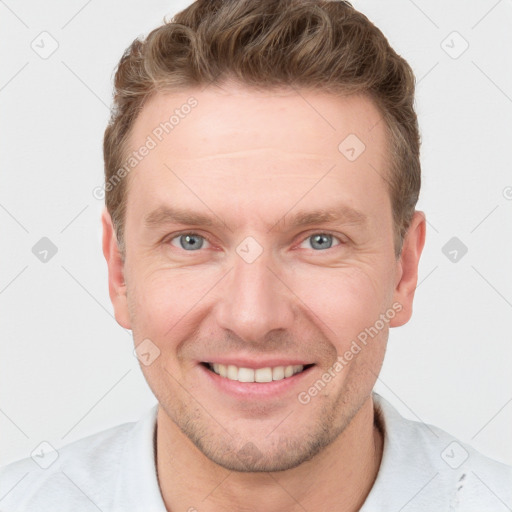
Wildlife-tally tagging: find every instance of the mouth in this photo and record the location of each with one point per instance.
(255, 375)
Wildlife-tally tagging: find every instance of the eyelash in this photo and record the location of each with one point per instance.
(338, 238)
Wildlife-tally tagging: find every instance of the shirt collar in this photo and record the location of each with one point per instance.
(137, 482)
(403, 460)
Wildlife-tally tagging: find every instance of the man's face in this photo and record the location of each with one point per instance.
(257, 287)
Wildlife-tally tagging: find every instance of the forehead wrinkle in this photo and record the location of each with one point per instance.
(289, 155)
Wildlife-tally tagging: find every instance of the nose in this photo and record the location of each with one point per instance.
(255, 300)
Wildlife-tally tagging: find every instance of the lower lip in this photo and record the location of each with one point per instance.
(256, 390)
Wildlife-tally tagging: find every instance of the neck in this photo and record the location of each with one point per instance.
(339, 478)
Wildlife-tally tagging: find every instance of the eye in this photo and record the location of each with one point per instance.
(321, 241)
(189, 241)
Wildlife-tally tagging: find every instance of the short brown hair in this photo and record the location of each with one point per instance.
(312, 44)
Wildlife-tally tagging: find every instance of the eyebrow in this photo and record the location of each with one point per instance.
(165, 215)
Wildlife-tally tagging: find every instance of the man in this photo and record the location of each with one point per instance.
(262, 171)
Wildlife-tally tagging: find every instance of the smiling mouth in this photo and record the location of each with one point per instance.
(267, 374)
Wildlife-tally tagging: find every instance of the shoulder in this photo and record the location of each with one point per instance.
(428, 466)
(74, 477)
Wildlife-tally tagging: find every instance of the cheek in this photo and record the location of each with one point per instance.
(162, 305)
(341, 301)
(154, 303)
(165, 300)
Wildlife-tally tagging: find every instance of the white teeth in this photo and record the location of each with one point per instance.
(278, 373)
(266, 374)
(232, 372)
(245, 375)
(263, 375)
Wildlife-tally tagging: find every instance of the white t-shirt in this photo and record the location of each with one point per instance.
(423, 469)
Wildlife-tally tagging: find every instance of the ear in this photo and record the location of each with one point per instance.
(407, 268)
(116, 284)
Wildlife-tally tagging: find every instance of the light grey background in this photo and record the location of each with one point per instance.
(67, 369)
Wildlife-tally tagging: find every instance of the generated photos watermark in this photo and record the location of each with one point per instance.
(156, 136)
(367, 334)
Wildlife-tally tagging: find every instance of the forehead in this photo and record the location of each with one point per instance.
(233, 118)
(263, 145)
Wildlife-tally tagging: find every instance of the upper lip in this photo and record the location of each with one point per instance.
(260, 363)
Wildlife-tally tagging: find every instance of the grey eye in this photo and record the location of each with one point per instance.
(189, 241)
(320, 241)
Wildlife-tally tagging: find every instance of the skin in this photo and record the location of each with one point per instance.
(251, 160)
